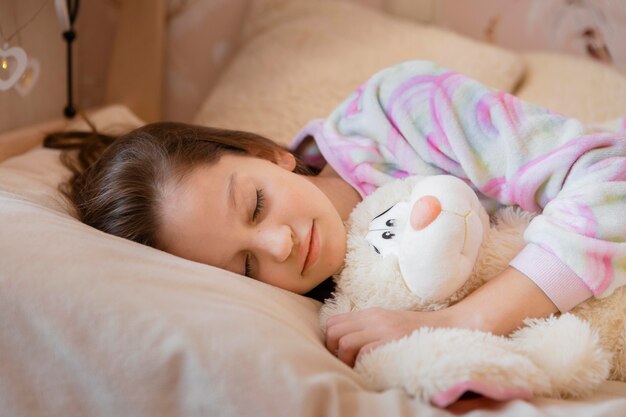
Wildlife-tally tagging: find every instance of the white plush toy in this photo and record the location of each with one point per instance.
(424, 243)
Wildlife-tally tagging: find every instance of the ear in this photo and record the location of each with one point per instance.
(285, 160)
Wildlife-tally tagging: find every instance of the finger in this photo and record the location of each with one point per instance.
(334, 332)
(351, 344)
(352, 316)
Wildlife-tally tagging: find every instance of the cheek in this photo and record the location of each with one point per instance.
(336, 245)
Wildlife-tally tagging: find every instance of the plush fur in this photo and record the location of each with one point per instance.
(564, 356)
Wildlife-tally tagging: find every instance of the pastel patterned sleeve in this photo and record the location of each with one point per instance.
(421, 118)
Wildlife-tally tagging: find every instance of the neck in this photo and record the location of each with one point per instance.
(339, 192)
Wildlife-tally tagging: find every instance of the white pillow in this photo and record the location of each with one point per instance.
(301, 58)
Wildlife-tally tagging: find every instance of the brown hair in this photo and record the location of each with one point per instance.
(117, 183)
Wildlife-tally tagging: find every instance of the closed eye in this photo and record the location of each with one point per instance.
(247, 268)
(260, 201)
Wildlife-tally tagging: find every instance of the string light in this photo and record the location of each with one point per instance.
(16, 53)
(5, 62)
(19, 29)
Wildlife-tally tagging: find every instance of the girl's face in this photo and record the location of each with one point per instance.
(255, 218)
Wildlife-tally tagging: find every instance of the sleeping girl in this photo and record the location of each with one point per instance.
(239, 201)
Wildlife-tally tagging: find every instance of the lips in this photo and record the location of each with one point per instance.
(313, 248)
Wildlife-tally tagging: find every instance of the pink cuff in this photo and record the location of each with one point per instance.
(556, 280)
(486, 389)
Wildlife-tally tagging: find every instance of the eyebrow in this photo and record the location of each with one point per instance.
(233, 205)
(231, 191)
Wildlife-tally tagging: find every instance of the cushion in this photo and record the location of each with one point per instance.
(299, 59)
(587, 90)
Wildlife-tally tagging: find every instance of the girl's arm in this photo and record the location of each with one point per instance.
(420, 118)
(500, 306)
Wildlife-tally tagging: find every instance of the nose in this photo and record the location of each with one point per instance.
(425, 210)
(277, 242)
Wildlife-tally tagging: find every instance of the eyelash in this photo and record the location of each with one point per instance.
(260, 201)
(247, 269)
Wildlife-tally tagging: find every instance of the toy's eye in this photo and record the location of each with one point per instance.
(391, 222)
(375, 249)
(388, 235)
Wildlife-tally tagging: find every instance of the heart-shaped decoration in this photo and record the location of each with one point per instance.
(19, 56)
(29, 78)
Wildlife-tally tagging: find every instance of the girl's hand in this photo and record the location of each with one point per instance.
(349, 335)
(499, 306)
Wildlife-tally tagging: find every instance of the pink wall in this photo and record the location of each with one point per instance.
(595, 29)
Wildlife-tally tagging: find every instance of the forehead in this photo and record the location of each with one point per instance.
(192, 207)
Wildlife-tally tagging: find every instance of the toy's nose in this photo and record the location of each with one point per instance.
(424, 212)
